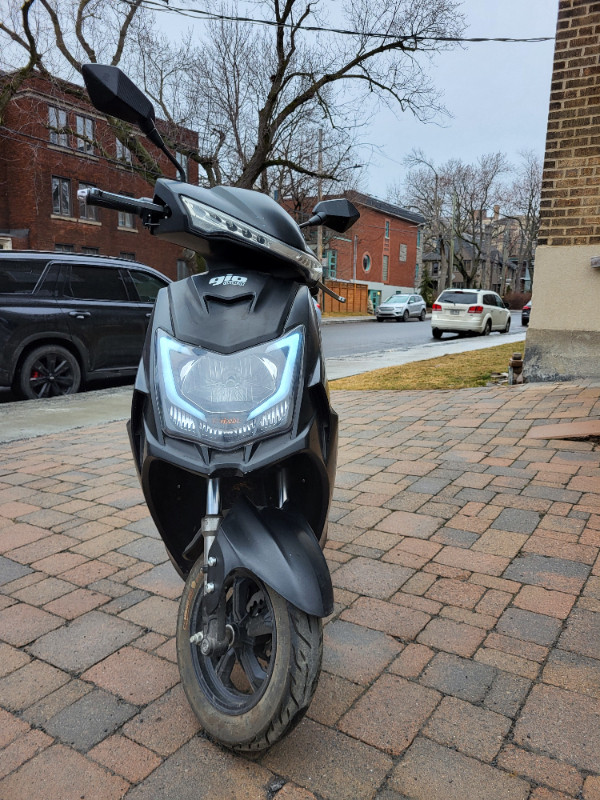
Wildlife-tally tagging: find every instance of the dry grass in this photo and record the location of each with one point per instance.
(455, 371)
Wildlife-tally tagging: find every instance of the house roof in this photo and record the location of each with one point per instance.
(387, 208)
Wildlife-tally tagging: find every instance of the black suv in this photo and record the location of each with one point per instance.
(66, 318)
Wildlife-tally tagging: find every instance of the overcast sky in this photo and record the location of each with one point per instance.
(498, 94)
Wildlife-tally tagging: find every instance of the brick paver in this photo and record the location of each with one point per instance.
(462, 659)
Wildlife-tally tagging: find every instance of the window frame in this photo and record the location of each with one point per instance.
(57, 138)
(59, 211)
(86, 145)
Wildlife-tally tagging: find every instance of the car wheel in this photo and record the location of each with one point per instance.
(507, 326)
(422, 315)
(488, 328)
(379, 319)
(436, 333)
(405, 315)
(48, 371)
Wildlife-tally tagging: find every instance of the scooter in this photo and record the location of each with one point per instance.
(234, 440)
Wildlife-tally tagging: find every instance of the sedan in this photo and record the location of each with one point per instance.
(401, 307)
(469, 311)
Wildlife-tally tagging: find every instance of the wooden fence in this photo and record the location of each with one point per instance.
(356, 295)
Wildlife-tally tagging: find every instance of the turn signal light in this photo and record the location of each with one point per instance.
(475, 310)
(436, 307)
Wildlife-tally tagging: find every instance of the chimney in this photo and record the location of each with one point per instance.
(496, 213)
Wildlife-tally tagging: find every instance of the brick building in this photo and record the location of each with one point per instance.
(382, 250)
(563, 339)
(54, 142)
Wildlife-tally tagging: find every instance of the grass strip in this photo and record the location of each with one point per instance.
(452, 371)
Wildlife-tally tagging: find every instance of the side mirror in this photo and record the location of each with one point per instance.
(113, 93)
(339, 215)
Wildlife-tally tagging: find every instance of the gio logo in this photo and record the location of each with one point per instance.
(228, 280)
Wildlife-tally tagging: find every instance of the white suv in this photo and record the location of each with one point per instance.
(476, 311)
(401, 307)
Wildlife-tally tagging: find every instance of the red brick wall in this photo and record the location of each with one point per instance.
(28, 161)
(367, 237)
(570, 206)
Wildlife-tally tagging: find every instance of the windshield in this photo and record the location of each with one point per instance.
(458, 297)
(397, 298)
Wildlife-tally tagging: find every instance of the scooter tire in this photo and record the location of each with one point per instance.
(289, 688)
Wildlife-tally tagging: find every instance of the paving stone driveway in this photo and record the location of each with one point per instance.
(462, 661)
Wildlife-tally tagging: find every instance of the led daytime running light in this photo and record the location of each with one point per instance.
(209, 220)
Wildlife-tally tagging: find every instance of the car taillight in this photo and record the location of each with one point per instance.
(475, 310)
(436, 307)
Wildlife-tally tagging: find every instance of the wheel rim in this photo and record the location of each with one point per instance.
(488, 328)
(235, 681)
(51, 375)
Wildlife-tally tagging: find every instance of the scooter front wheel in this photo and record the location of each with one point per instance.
(254, 693)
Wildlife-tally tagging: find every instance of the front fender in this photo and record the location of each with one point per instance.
(279, 547)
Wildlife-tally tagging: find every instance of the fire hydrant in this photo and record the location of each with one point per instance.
(515, 369)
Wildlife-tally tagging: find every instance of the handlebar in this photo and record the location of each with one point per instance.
(146, 209)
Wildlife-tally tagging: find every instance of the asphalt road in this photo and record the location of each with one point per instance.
(360, 338)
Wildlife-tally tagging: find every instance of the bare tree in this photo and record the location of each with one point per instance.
(455, 198)
(255, 93)
(523, 208)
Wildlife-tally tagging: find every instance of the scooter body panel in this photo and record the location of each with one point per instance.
(279, 547)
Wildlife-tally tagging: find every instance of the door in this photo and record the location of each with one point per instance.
(143, 287)
(102, 317)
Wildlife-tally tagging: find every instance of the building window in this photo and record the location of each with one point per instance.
(85, 211)
(385, 269)
(183, 160)
(403, 250)
(85, 134)
(91, 251)
(387, 229)
(61, 196)
(366, 262)
(127, 256)
(331, 268)
(126, 219)
(123, 153)
(64, 248)
(57, 122)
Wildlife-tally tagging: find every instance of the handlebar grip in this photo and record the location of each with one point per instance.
(118, 202)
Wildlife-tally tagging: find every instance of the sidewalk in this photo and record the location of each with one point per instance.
(462, 661)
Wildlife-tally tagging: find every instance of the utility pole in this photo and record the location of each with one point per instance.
(451, 257)
(319, 198)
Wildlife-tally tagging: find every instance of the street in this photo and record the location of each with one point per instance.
(358, 338)
(356, 347)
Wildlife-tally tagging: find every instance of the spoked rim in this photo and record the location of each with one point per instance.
(236, 680)
(51, 375)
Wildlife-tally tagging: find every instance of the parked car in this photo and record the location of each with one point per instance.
(401, 307)
(525, 313)
(67, 318)
(469, 311)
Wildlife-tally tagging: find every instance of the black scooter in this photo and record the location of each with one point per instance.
(235, 441)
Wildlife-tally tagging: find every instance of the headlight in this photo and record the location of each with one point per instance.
(209, 220)
(227, 400)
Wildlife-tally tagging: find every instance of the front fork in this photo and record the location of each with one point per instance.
(216, 636)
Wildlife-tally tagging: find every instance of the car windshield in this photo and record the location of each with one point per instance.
(458, 297)
(397, 298)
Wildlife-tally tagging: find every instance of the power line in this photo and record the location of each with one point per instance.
(210, 15)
